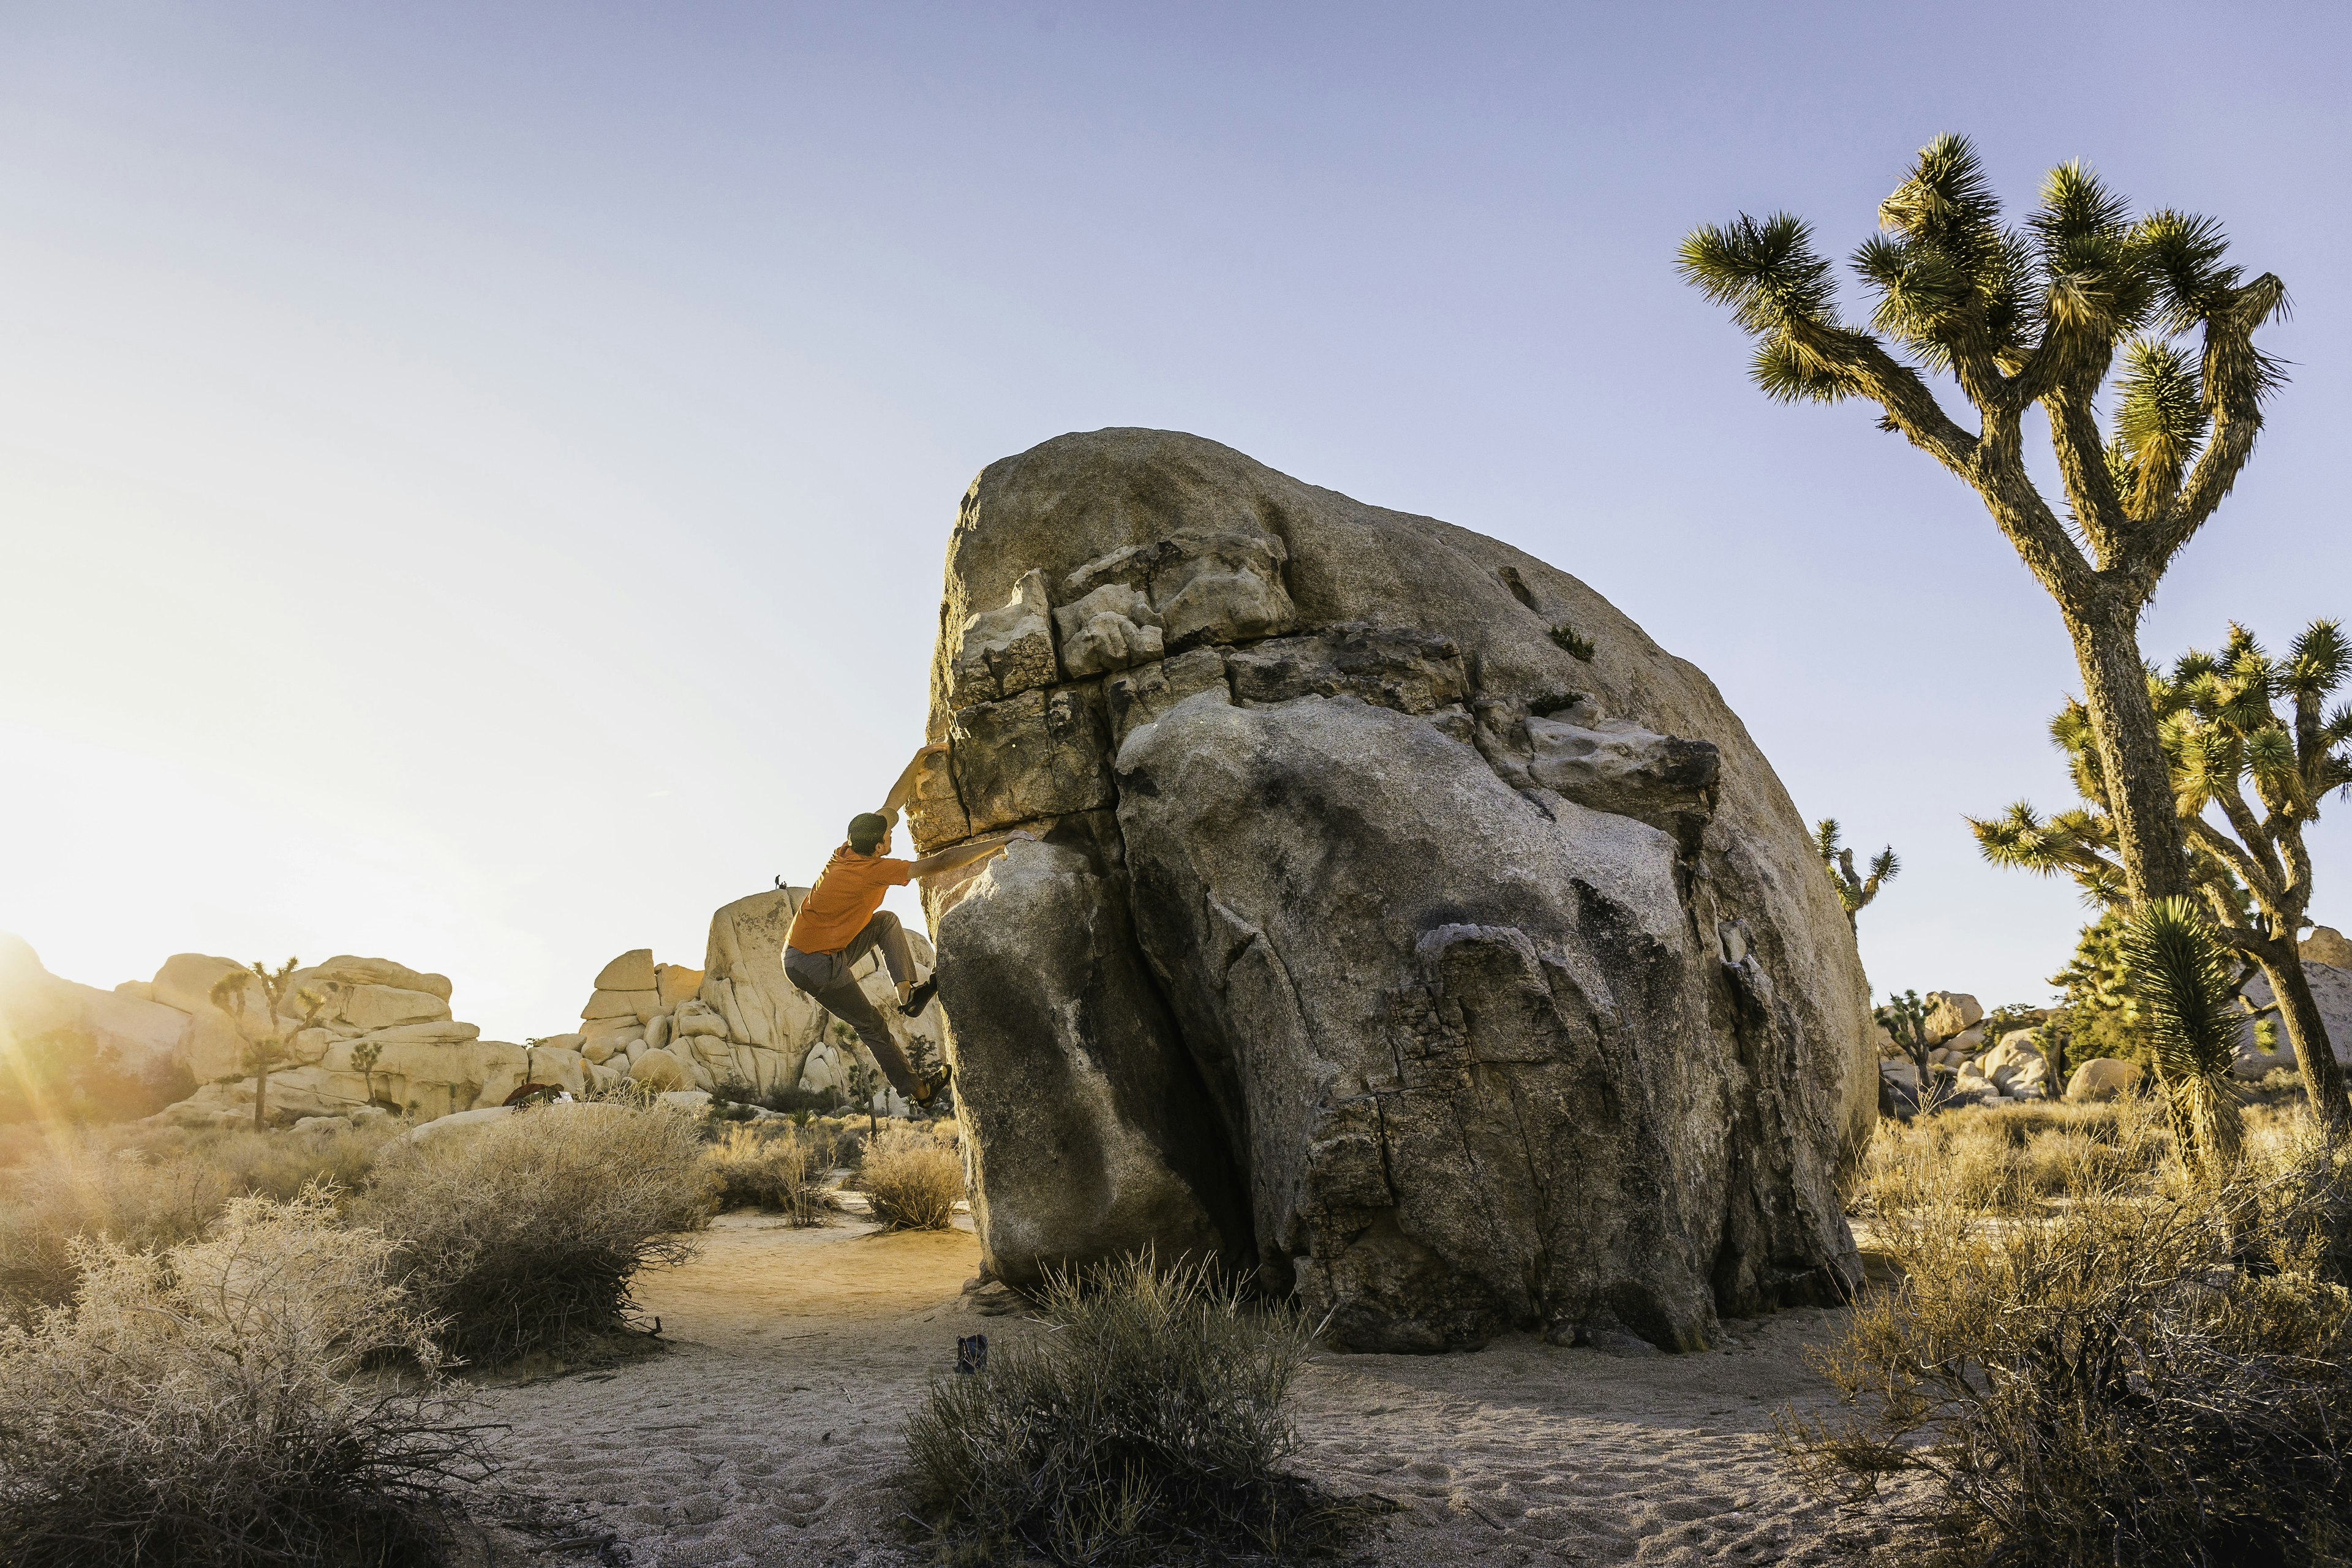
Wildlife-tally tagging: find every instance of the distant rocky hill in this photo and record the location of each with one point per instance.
(385, 1035)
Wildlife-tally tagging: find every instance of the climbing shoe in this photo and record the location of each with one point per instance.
(934, 1087)
(919, 997)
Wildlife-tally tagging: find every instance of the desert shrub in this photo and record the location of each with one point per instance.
(524, 1234)
(149, 1196)
(84, 1191)
(2153, 1371)
(281, 1165)
(214, 1404)
(2010, 1158)
(913, 1180)
(781, 1169)
(1149, 1426)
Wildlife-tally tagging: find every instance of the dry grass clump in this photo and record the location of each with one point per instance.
(913, 1180)
(2010, 1158)
(2157, 1369)
(524, 1234)
(209, 1405)
(1149, 1426)
(780, 1169)
(148, 1196)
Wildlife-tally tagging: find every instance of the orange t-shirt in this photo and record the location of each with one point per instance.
(847, 892)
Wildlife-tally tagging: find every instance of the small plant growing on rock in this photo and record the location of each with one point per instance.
(1151, 1426)
(1564, 637)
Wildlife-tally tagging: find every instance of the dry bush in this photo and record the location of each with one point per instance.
(525, 1233)
(281, 1165)
(780, 1169)
(1148, 1426)
(149, 1195)
(2153, 1370)
(213, 1405)
(2010, 1158)
(913, 1180)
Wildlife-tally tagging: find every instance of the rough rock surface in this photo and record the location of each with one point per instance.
(2102, 1077)
(1378, 937)
(2331, 987)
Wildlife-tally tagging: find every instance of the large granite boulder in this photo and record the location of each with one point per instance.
(1404, 924)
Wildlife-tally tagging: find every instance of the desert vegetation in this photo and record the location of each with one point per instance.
(525, 1235)
(1149, 1426)
(2104, 1346)
(268, 1393)
(913, 1180)
(2226, 746)
(2039, 315)
(780, 1169)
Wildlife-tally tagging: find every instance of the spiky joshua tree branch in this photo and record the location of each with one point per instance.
(2037, 315)
(1853, 890)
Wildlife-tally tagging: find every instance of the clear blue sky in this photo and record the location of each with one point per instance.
(473, 480)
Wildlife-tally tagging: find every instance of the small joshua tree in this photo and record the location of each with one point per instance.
(2188, 986)
(1905, 1016)
(2224, 740)
(1853, 890)
(364, 1056)
(280, 998)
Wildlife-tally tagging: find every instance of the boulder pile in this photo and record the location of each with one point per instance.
(737, 1023)
(381, 1035)
(1969, 1067)
(1405, 925)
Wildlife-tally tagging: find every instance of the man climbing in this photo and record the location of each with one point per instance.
(841, 919)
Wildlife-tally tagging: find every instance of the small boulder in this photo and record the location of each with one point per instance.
(633, 970)
(2102, 1077)
(662, 1070)
(1949, 1013)
(675, 983)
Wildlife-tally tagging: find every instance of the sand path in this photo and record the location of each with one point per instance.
(769, 1432)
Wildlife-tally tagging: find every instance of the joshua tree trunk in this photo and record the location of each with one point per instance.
(260, 1097)
(2306, 1031)
(2131, 760)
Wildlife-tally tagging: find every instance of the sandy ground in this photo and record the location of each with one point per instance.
(769, 1432)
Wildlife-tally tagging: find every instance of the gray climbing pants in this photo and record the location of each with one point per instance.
(828, 977)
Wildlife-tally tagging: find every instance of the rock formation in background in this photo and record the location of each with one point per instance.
(1406, 924)
(387, 1037)
(737, 1020)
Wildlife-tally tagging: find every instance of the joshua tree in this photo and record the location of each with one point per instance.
(1905, 1016)
(2223, 737)
(2038, 314)
(280, 999)
(1852, 891)
(363, 1056)
(2188, 986)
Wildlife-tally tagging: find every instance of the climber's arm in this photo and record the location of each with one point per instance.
(956, 854)
(904, 790)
